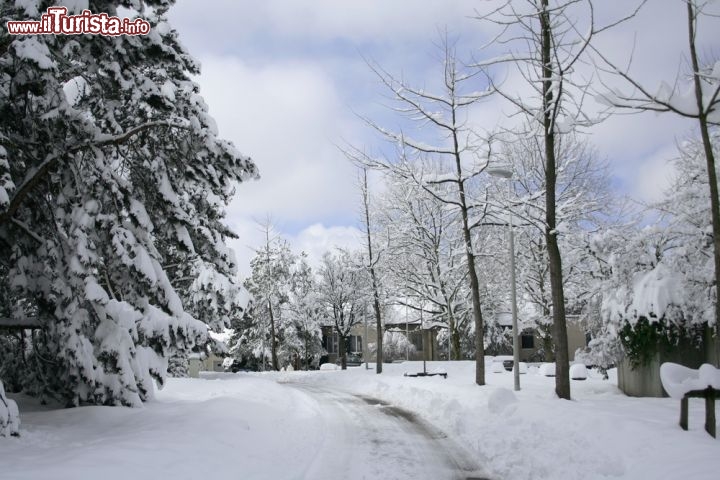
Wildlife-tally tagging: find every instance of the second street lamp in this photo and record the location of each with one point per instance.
(507, 174)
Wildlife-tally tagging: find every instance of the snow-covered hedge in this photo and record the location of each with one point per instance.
(9, 416)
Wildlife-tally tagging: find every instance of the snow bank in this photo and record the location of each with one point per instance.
(677, 380)
(522, 368)
(497, 367)
(500, 399)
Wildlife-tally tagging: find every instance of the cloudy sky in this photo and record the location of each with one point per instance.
(285, 79)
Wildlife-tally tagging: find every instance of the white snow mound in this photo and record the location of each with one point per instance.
(578, 371)
(500, 399)
(547, 370)
(677, 380)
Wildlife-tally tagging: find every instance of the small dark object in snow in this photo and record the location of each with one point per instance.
(423, 374)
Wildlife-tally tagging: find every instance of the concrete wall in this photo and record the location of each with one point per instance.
(212, 363)
(711, 348)
(576, 340)
(194, 366)
(644, 381)
(576, 337)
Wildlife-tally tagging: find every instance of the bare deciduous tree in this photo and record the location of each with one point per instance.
(425, 257)
(446, 115)
(550, 47)
(342, 290)
(372, 264)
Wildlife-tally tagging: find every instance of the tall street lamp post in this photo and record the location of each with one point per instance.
(507, 174)
(366, 350)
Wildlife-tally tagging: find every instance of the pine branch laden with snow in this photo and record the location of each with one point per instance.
(113, 188)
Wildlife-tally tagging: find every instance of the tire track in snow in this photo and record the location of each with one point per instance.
(366, 438)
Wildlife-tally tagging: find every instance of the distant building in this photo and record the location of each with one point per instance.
(532, 343)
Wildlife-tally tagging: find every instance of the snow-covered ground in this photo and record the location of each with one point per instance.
(291, 426)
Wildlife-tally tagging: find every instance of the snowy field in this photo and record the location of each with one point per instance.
(299, 425)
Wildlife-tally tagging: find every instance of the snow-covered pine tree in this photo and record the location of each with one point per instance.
(113, 186)
(304, 312)
(269, 284)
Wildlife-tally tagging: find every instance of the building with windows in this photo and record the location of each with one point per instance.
(357, 343)
(532, 344)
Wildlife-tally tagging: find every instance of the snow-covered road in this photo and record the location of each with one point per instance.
(364, 438)
(249, 427)
(330, 425)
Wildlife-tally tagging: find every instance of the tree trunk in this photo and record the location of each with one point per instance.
(307, 358)
(341, 352)
(474, 283)
(562, 375)
(376, 294)
(454, 353)
(273, 339)
(711, 172)
(379, 329)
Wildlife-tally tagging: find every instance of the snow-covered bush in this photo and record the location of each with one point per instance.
(9, 416)
(653, 287)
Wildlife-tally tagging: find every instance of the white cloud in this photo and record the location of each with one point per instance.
(654, 175)
(312, 21)
(286, 116)
(317, 239)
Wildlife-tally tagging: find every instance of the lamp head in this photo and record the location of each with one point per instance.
(499, 171)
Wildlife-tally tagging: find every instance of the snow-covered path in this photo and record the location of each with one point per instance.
(364, 438)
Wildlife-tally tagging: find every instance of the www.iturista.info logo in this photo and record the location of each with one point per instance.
(56, 21)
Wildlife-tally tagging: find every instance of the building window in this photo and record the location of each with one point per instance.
(527, 340)
(416, 338)
(331, 343)
(356, 344)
